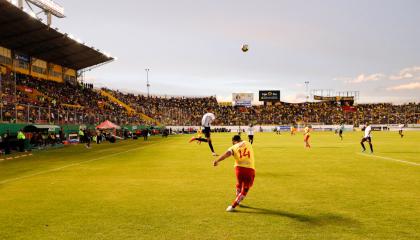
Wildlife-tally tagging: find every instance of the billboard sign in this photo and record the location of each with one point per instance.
(242, 99)
(269, 95)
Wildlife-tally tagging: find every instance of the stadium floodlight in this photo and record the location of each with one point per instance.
(32, 14)
(107, 54)
(14, 2)
(50, 6)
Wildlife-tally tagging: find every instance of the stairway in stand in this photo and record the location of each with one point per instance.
(129, 109)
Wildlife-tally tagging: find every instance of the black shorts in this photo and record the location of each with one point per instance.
(206, 132)
(341, 132)
(366, 139)
(251, 137)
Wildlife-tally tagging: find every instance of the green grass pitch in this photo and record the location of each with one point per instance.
(168, 189)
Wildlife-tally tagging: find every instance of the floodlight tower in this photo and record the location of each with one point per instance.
(307, 90)
(49, 7)
(147, 81)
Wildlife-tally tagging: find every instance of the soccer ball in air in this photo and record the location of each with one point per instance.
(245, 48)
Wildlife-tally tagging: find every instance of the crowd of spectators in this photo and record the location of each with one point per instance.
(188, 111)
(41, 101)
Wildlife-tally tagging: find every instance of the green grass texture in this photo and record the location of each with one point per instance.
(169, 189)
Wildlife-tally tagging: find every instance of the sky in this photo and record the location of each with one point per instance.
(193, 47)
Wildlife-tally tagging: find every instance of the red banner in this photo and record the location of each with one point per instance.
(349, 108)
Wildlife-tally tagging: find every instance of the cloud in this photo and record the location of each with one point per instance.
(297, 98)
(410, 73)
(367, 78)
(408, 86)
(407, 73)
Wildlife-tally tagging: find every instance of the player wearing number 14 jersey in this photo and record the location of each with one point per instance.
(243, 154)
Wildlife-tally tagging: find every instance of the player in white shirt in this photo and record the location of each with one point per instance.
(206, 121)
(278, 130)
(340, 131)
(400, 131)
(250, 132)
(367, 137)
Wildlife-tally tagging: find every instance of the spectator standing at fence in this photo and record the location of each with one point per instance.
(145, 133)
(6, 140)
(81, 136)
(62, 135)
(21, 140)
(87, 137)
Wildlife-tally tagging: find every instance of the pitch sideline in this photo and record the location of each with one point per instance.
(390, 159)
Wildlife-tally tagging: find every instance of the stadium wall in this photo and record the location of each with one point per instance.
(318, 128)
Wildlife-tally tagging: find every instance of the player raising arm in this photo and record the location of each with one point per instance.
(243, 154)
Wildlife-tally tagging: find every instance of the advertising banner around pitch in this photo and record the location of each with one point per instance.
(242, 99)
(333, 98)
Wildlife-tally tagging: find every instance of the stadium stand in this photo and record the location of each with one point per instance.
(39, 69)
(188, 111)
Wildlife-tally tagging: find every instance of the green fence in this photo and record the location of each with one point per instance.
(13, 128)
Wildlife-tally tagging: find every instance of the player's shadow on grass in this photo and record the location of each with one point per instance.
(324, 219)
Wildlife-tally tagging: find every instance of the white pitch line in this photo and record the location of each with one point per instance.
(73, 164)
(390, 159)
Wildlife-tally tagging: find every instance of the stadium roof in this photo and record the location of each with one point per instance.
(24, 33)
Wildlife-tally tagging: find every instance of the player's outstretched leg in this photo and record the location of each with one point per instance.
(238, 189)
(238, 199)
(211, 148)
(197, 139)
(371, 147)
(363, 145)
